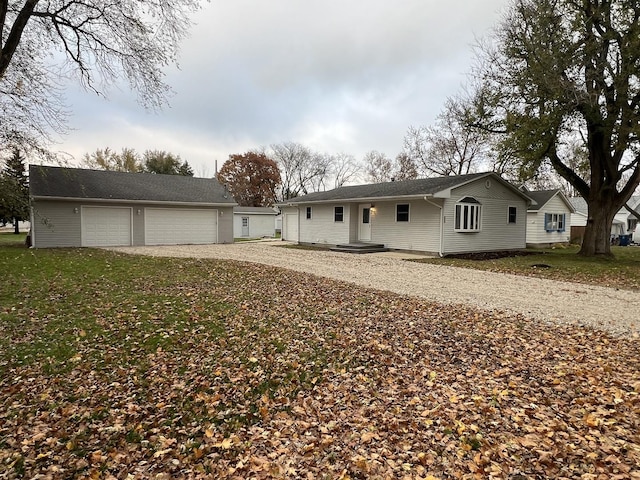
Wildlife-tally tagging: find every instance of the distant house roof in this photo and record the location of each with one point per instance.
(433, 187)
(254, 210)
(542, 197)
(78, 183)
(580, 205)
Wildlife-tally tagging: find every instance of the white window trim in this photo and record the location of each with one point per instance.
(508, 209)
(555, 219)
(408, 213)
(471, 207)
(334, 214)
(308, 213)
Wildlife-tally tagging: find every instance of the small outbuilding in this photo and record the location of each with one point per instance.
(254, 222)
(73, 207)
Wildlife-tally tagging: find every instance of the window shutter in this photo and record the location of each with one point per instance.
(564, 217)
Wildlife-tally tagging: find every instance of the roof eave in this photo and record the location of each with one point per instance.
(125, 200)
(357, 199)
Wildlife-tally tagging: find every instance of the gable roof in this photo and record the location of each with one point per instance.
(542, 197)
(580, 205)
(431, 187)
(63, 183)
(254, 210)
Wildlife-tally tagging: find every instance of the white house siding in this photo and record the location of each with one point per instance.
(536, 232)
(421, 233)
(260, 225)
(495, 231)
(321, 228)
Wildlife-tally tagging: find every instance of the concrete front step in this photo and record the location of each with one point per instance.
(360, 248)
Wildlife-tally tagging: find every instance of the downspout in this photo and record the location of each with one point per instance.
(426, 199)
(32, 230)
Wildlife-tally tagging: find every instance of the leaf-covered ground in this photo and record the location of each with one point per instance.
(132, 367)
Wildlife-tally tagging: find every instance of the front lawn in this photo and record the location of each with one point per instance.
(562, 263)
(115, 366)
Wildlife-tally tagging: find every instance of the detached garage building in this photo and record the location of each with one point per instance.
(72, 207)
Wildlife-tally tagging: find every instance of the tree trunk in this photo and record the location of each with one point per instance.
(597, 234)
(16, 225)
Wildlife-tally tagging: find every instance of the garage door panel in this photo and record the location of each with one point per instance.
(106, 226)
(291, 227)
(165, 226)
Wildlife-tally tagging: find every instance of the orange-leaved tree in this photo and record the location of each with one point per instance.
(252, 178)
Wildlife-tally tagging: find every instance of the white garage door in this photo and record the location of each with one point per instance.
(106, 226)
(164, 226)
(291, 227)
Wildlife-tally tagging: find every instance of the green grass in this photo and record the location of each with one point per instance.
(622, 271)
(11, 239)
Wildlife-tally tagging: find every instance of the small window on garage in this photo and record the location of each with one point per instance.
(402, 212)
(338, 214)
(308, 213)
(513, 214)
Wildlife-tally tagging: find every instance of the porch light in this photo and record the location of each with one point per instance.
(75, 210)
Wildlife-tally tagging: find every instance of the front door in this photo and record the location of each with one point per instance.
(245, 226)
(364, 226)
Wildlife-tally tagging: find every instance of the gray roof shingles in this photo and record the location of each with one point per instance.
(541, 197)
(423, 186)
(62, 182)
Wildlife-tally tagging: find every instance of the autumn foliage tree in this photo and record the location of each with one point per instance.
(252, 178)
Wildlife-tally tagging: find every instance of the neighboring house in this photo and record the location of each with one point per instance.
(624, 222)
(73, 207)
(446, 215)
(549, 219)
(254, 222)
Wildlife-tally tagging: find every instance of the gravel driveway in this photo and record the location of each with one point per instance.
(616, 311)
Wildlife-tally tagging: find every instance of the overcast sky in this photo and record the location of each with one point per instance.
(345, 76)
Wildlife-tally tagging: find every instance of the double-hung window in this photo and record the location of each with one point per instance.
(402, 212)
(338, 214)
(468, 215)
(308, 213)
(554, 222)
(513, 215)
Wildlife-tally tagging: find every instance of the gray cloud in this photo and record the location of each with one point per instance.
(336, 76)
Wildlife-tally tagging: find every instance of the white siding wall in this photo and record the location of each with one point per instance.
(259, 225)
(536, 233)
(495, 233)
(322, 228)
(421, 233)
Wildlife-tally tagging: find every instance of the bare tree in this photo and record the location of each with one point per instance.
(451, 146)
(405, 167)
(103, 42)
(378, 167)
(302, 171)
(345, 169)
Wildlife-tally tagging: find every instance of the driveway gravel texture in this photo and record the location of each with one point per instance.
(608, 309)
